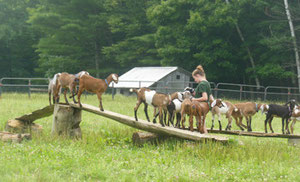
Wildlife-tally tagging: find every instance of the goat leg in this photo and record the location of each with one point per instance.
(292, 125)
(146, 111)
(161, 116)
(287, 126)
(135, 109)
(270, 124)
(100, 100)
(249, 127)
(65, 94)
(191, 123)
(212, 122)
(178, 119)
(220, 125)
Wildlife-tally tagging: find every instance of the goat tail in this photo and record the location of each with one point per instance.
(133, 90)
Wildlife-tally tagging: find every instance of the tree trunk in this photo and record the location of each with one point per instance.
(248, 52)
(97, 59)
(289, 17)
(66, 121)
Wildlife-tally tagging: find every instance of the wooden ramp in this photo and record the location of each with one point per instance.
(150, 127)
(37, 114)
(254, 134)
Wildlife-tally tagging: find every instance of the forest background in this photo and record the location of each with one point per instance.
(242, 41)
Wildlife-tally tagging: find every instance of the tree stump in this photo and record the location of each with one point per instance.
(140, 138)
(66, 121)
(12, 137)
(18, 126)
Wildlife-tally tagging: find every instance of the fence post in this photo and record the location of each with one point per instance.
(241, 89)
(289, 93)
(29, 91)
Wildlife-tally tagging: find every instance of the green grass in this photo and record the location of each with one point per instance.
(106, 152)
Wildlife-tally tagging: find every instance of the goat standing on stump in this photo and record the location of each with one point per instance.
(151, 97)
(284, 112)
(95, 85)
(54, 89)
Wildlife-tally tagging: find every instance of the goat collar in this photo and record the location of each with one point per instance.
(106, 82)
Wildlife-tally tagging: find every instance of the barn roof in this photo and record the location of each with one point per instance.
(146, 75)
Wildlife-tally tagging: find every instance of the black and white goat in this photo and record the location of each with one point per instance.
(284, 112)
(174, 107)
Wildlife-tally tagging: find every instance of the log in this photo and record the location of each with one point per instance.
(12, 137)
(140, 138)
(151, 127)
(66, 121)
(17, 126)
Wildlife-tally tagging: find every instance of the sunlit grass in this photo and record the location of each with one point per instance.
(106, 152)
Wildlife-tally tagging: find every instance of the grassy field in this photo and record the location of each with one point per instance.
(106, 152)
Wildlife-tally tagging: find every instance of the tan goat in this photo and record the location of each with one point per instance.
(247, 110)
(157, 100)
(95, 85)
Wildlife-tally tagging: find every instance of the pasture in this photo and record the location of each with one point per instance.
(106, 152)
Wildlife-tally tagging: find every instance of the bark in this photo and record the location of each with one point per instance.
(66, 121)
(293, 35)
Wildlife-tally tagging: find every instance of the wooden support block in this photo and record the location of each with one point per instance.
(140, 138)
(66, 121)
(18, 126)
(12, 137)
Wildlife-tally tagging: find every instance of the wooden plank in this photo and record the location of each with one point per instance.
(151, 127)
(253, 134)
(37, 114)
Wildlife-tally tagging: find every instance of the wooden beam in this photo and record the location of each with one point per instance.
(150, 127)
(37, 114)
(253, 134)
(12, 137)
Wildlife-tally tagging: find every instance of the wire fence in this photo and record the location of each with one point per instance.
(219, 90)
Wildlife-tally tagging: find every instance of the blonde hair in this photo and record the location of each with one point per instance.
(199, 71)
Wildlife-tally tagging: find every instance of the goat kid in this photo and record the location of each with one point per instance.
(247, 110)
(174, 107)
(284, 112)
(191, 108)
(95, 85)
(157, 100)
(219, 108)
(54, 89)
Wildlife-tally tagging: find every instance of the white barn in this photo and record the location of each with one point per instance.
(161, 79)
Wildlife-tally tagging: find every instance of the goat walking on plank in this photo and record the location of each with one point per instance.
(151, 97)
(69, 82)
(54, 89)
(247, 110)
(95, 85)
(284, 112)
(219, 108)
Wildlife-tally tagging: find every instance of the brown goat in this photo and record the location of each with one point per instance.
(247, 110)
(95, 85)
(197, 109)
(67, 81)
(157, 100)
